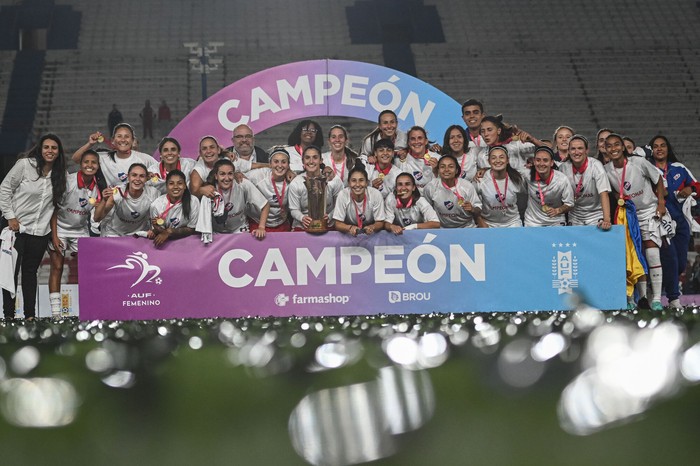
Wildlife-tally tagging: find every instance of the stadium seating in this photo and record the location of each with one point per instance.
(632, 66)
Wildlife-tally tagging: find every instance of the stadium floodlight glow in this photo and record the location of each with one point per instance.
(204, 63)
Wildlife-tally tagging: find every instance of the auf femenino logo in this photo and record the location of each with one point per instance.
(139, 261)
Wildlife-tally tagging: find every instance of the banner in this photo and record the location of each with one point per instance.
(298, 274)
(317, 88)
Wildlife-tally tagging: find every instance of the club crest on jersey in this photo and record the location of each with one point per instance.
(362, 217)
(83, 202)
(676, 176)
(628, 186)
(418, 175)
(500, 197)
(274, 198)
(122, 176)
(449, 204)
(134, 214)
(174, 222)
(406, 221)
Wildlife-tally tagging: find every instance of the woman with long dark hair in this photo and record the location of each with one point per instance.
(174, 214)
(499, 190)
(407, 209)
(549, 193)
(298, 193)
(71, 220)
(681, 185)
(30, 192)
(456, 144)
(126, 211)
(170, 159)
(233, 197)
(359, 208)
(341, 159)
(639, 185)
(455, 200)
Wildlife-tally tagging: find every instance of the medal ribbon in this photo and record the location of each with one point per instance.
(169, 207)
(460, 199)
(539, 187)
(622, 180)
(357, 212)
(501, 196)
(385, 171)
(163, 173)
(280, 197)
(342, 170)
(90, 187)
(581, 171)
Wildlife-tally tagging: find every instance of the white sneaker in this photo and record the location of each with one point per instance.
(675, 304)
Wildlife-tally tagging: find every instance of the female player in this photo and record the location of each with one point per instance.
(455, 200)
(456, 144)
(71, 220)
(499, 190)
(387, 128)
(274, 185)
(115, 164)
(591, 187)
(126, 211)
(420, 162)
(359, 208)
(30, 192)
(298, 195)
(681, 185)
(340, 158)
(407, 209)
(640, 183)
(382, 174)
(170, 159)
(229, 205)
(549, 193)
(209, 153)
(306, 133)
(174, 214)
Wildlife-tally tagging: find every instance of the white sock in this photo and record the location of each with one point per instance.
(641, 287)
(654, 261)
(55, 300)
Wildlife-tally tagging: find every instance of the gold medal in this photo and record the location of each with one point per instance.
(160, 221)
(381, 176)
(92, 201)
(115, 191)
(427, 157)
(100, 139)
(154, 179)
(620, 202)
(461, 202)
(545, 208)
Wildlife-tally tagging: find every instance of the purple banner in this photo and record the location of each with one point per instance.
(456, 270)
(317, 88)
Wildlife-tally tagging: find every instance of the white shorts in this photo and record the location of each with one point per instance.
(69, 245)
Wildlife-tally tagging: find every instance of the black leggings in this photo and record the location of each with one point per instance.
(30, 251)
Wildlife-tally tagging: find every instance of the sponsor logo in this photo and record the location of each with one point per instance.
(399, 297)
(138, 261)
(281, 300)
